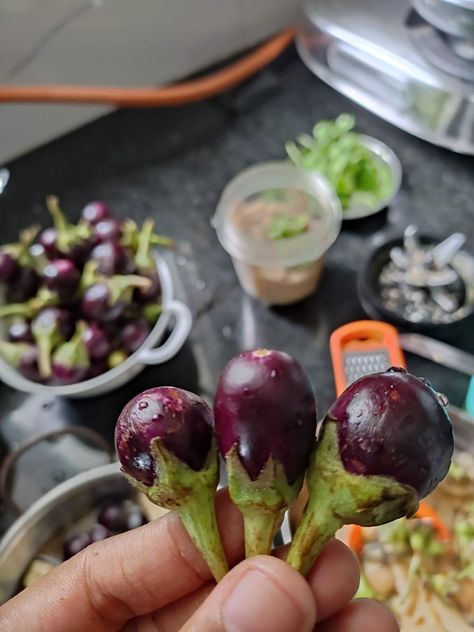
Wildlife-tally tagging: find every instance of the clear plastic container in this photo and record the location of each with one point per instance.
(277, 271)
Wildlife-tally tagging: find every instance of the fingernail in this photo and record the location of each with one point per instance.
(258, 604)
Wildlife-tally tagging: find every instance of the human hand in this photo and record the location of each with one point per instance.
(153, 579)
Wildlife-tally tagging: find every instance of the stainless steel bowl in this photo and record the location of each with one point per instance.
(455, 17)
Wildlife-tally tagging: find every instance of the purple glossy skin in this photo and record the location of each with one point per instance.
(265, 406)
(95, 212)
(114, 516)
(134, 334)
(68, 374)
(50, 316)
(95, 304)
(23, 286)
(8, 267)
(97, 368)
(394, 424)
(112, 258)
(61, 274)
(182, 420)
(47, 238)
(151, 294)
(20, 331)
(75, 543)
(98, 532)
(28, 366)
(108, 230)
(96, 341)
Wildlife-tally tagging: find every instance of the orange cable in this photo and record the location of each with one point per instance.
(177, 94)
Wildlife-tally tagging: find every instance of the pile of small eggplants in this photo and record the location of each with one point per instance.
(80, 298)
(384, 444)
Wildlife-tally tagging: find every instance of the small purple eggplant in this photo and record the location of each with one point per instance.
(23, 286)
(8, 266)
(112, 258)
(385, 443)
(98, 532)
(20, 331)
(23, 357)
(14, 257)
(146, 265)
(73, 240)
(108, 230)
(70, 361)
(62, 276)
(106, 300)
(165, 444)
(134, 334)
(151, 294)
(265, 416)
(47, 238)
(50, 328)
(95, 212)
(74, 543)
(97, 342)
(96, 368)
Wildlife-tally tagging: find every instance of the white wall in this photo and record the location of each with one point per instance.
(115, 42)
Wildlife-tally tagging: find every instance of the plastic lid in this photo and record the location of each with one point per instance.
(287, 252)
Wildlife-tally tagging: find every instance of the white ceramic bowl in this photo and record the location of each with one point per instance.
(148, 353)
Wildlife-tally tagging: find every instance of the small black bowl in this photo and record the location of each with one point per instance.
(370, 292)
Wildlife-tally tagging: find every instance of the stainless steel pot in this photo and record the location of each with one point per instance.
(62, 505)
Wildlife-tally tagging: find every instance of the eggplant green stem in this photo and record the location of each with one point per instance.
(13, 352)
(315, 529)
(68, 234)
(260, 527)
(191, 494)
(44, 347)
(337, 497)
(143, 258)
(261, 501)
(26, 310)
(121, 285)
(199, 518)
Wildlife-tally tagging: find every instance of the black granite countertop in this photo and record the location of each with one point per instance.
(172, 164)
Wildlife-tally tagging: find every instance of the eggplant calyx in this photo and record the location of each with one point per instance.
(337, 497)
(90, 275)
(261, 501)
(13, 352)
(191, 493)
(73, 354)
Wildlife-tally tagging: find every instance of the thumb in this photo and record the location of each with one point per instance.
(260, 594)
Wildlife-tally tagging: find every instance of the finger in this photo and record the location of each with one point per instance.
(260, 594)
(361, 615)
(334, 578)
(172, 617)
(122, 577)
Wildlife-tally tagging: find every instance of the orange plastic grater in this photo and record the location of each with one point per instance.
(363, 347)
